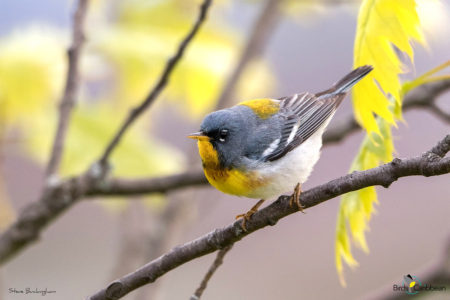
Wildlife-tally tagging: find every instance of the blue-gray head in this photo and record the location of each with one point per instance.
(227, 131)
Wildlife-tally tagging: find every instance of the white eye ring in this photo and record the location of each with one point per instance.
(223, 134)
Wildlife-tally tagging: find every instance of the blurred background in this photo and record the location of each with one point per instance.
(307, 45)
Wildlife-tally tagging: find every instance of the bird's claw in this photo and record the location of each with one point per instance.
(246, 217)
(295, 198)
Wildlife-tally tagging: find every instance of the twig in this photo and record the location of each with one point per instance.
(159, 86)
(431, 163)
(121, 186)
(71, 88)
(59, 196)
(258, 37)
(423, 97)
(440, 113)
(215, 265)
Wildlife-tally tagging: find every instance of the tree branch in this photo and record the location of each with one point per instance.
(431, 163)
(213, 268)
(122, 186)
(159, 86)
(57, 197)
(71, 88)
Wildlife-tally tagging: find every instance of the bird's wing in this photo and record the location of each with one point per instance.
(302, 115)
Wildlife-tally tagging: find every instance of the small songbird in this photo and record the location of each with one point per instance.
(262, 148)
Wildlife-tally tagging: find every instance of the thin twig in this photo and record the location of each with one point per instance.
(71, 88)
(431, 163)
(159, 86)
(213, 268)
(423, 97)
(258, 37)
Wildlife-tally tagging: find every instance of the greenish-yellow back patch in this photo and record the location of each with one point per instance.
(263, 108)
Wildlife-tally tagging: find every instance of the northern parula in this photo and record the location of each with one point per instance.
(262, 148)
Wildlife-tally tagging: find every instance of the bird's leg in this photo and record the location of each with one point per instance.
(296, 197)
(248, 214)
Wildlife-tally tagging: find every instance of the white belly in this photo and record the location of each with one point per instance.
(295, 167)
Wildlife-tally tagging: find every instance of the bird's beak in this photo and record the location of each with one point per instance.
(199, 136)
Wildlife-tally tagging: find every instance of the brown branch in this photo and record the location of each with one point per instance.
(431, 163)
(36, 216)
(213, 268)
(71, 88)
(57, 197)
(159, 86)
(121, 186)
(258, 37)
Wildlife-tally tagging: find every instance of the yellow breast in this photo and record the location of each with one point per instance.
(231, 181)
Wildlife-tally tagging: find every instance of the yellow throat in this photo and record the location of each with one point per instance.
(231, 181)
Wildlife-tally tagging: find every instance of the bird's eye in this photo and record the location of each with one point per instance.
(223, 134)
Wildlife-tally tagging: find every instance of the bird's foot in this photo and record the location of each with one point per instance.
(245, 217)
(295, 198)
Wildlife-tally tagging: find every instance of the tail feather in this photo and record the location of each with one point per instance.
(349, 80)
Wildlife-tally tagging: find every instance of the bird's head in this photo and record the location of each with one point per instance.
(221, 137)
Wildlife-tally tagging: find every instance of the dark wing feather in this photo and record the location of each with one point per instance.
(303, 114)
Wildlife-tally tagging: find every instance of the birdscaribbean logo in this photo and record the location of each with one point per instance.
(412, 285)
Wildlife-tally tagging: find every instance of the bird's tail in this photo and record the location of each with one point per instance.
(349, 80)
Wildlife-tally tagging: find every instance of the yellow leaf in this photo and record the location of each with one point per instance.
(357, 207)
(382, 24)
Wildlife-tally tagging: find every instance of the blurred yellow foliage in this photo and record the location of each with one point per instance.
(92, 126)
(121, 61)
(32, 68)
(146, 34)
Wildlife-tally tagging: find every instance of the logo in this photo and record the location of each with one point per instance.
(412, 285)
